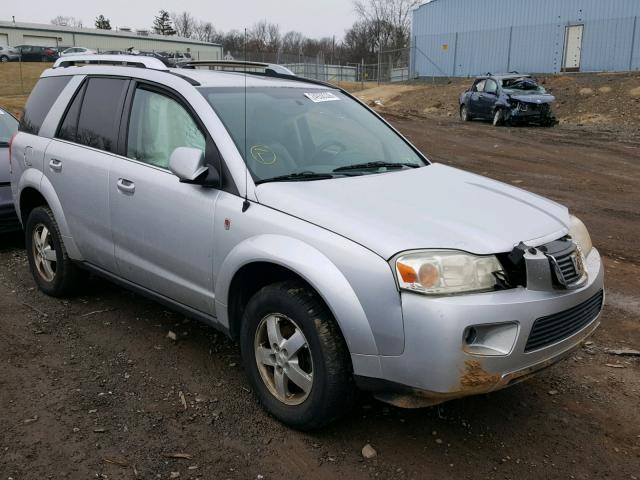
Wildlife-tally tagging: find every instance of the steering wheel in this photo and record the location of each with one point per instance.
(324, 145)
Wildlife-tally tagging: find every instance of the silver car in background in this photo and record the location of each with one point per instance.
(286, 213)
(8, 54)
(8, 219)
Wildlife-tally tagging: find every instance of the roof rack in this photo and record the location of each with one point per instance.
(238, 66)
(114, 60)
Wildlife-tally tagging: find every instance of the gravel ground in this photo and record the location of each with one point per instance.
(92, 387)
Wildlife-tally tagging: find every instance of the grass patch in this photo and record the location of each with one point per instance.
(17, 81)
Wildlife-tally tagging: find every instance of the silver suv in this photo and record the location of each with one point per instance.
(287, 214)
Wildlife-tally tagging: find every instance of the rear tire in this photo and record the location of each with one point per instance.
(288, 320)
(4, 59)
(52, 269)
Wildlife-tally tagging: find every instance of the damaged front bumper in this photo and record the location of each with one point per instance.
(439, 363)
(523, 112)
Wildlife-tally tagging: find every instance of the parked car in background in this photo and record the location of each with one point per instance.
(8, 54)
(310, 231)
(77, 51)
(8, 128)
(508, 99)
(32, 53)
(176, 58)
(162, 56)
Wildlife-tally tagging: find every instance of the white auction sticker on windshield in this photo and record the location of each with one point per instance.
(319, 97)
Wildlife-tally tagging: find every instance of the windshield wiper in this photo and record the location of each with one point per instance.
(365, 166)
(300, 176)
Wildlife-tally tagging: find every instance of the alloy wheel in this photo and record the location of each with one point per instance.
(284, 359)
(44, 253)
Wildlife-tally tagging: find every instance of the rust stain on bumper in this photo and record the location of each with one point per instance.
(476, 377)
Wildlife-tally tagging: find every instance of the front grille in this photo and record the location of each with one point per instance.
(556, 327)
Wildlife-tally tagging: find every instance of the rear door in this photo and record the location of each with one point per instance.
(162, 229)
(77, 164)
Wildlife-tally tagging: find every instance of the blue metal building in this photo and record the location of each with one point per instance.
(472, 37)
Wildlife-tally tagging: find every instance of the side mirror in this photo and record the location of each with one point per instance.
(188, 165)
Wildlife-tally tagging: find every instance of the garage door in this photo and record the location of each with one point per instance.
(4, 39)
(40, 41)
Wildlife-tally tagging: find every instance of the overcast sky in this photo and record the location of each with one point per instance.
(314, 18)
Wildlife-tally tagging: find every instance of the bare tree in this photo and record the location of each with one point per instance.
(274, 40)
(292, 42)
(390, 19)
(63, 21)
(205, 32)
(184, 24)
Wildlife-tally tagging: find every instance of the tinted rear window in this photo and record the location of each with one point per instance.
(8, 127)
(100, 113)
(42, 98)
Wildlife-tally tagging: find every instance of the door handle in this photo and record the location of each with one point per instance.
(126, 186)
(55, 165)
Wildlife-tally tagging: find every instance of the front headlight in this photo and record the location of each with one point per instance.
(442, 272)
(580, 235)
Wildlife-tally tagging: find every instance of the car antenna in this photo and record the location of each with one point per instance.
(246, 204)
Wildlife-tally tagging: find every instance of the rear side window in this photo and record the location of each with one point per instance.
(42, 98)
(100, 113)
(69, 127)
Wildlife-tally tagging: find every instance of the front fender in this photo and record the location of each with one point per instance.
(33, 178)
(316, 269)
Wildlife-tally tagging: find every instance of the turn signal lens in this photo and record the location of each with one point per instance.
(407, 273)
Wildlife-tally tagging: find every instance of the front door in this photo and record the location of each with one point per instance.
(573, 48)
(162, 229)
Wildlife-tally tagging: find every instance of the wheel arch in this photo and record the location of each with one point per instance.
(266, 259)
(36, 190)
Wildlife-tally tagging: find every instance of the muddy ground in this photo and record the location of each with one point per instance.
(91, 387)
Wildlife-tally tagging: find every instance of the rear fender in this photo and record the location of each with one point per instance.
(33, 178)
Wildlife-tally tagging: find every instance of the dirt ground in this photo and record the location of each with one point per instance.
(91, 387)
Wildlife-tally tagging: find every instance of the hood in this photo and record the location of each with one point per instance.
(534, 98)
(431, 207)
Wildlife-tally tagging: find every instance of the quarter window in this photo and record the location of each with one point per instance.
(69, 127)
(100, 113)
(157, 126)
(42, 98)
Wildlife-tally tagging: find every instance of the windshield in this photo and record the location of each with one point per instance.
(522, 85)
(8, 127)
(309, 132)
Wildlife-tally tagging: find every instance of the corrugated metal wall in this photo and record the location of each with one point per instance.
(472, 37)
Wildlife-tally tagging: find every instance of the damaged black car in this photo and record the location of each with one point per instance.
(508, 100)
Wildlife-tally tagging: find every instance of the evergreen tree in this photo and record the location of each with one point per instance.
(162, 24)
(103, 23)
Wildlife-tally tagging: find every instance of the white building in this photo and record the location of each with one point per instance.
(45, 35)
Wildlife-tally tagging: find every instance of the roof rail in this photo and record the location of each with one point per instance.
(238, 66)
(114, 60)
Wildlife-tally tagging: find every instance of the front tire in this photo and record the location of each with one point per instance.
(464, 114)
(498, 117)
(295, 356)
(52, 269)
(4, 59)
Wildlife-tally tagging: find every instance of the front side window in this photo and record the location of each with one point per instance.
(298, 131)
(42, 98)
(100, 113)
(157, 126)
(490, 87)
